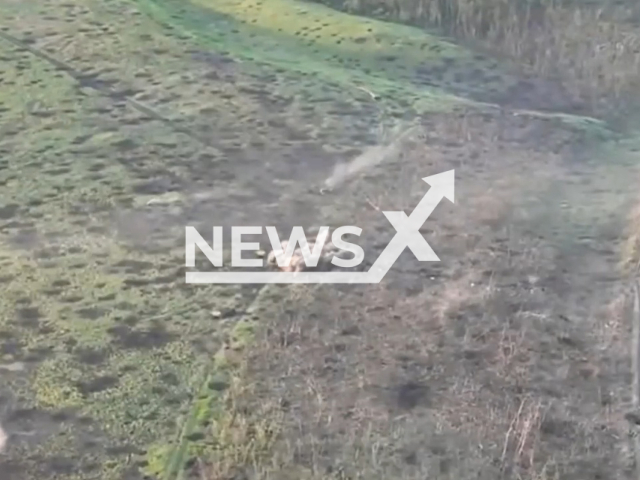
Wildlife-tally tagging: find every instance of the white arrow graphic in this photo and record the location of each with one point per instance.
(408, 228)
(407, 235)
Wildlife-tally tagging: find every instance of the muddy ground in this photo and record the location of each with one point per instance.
(122, 122)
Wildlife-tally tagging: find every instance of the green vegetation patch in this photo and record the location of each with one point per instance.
(311, 49)
(402, 63)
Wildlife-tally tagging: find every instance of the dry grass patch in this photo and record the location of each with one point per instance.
(474, 377)
(487, 365)
(595, 50)
(381, 391)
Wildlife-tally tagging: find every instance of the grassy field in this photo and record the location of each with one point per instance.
(123, 121)
(591, 47)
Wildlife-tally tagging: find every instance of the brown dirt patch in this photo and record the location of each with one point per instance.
(505, 360)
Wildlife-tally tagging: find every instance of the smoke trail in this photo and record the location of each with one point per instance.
(371, 157)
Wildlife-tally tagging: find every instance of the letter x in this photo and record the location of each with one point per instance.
(408, 235)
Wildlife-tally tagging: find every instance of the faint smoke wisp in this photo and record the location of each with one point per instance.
(370, 158)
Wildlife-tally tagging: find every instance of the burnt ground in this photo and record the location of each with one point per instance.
(507, 359)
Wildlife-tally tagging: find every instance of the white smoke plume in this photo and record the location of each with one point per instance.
(370, 158)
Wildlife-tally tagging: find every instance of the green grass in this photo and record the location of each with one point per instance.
(312, 46)
(66, 299)
(301, 45)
